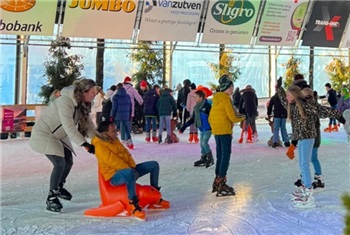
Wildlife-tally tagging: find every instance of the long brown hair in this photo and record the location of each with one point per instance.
(82, 86)
(295, 91)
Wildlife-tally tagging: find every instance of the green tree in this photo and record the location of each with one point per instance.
(338, 73)
(346, 203)
(61, 69)
(292, 68)
(225, 66)
(150, 63)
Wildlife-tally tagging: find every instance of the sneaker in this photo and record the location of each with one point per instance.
(307, 200)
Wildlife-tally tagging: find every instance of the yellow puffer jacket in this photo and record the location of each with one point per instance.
(111, 156)
(222, 116)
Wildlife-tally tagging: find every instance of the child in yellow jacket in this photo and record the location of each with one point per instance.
(221, 119)
(117, 165)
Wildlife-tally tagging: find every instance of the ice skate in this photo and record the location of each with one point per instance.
(195, 138)
(154, 136)
(160, 139)
(148, 137)
(209, 160)
(136, 210)
(53, 203)
(307, 200)
(319, 183)
(161, 205)
(190, 139)
(129, 144)
(201, 162)
(215, 184)
(63, 193)
(223, 189)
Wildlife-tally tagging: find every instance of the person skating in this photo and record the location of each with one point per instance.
(221, 119)
(166, 107)
(117, 165)
(151, 99)
(65, 120)
(199, 119)
(302, 113)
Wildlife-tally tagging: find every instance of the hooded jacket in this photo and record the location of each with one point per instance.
(121, 106)
(111, 156)
(222, 115)
(57, 126)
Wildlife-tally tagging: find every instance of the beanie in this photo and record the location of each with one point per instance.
(224, 82)
(143, 83)
(127, 80)
(193, 86)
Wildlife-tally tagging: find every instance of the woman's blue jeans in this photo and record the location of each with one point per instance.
(164, 121)
(129, 176)
(149, 121)
(305, 147)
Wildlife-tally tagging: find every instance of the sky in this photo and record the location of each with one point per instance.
(263, 178)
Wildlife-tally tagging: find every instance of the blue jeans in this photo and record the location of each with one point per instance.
(279, 123)
(316, 162)
(223, 154)
(305, 147)
(333, 120)
(129, 176)
(204, 142)
(125, 129)
(164, 121)
(150, 120)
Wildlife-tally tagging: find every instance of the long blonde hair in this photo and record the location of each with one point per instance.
(295, 91)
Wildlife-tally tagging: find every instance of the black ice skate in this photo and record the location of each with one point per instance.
(223, 189)
(209, 160)
(201, 162)
(319, 183)
(52, 202)
(64, 194)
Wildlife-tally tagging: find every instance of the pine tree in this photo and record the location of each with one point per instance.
(150, 63)
(61, 69)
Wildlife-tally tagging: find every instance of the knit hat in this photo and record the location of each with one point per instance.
(143, 83)
(224, 82)
(127, 80)
(193, 86)
(345, 92)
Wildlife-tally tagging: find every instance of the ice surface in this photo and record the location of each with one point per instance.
(263, 178)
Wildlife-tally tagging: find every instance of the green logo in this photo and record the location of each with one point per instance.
(233, 12)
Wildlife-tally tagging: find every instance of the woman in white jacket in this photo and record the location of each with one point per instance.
(66, 119)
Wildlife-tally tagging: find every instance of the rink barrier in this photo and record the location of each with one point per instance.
(33, 111)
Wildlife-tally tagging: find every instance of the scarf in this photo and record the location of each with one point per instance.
(197, 116)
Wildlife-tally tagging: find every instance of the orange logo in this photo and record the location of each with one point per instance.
(17, 5)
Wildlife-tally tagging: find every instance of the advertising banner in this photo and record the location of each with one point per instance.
(230, 21)
(327, 23)
(111, 19)
(170, 20)
(346, 37)
(13, 118)
(281, 22)
(27, 17)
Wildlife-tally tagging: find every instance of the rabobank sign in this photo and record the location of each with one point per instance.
(233, 12)
(179, 5)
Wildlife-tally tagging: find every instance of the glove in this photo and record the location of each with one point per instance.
(342, 120)
(279, 82)
(89, 147)
(111, 119)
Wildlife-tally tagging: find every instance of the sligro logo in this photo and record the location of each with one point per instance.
(233, 12)
(106, 5)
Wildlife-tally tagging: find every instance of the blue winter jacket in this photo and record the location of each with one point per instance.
(150, 101)
(204, 114)
(121, 105)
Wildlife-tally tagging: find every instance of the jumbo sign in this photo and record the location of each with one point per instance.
(104, 5)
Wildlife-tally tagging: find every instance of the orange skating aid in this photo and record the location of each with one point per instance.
(114, 199)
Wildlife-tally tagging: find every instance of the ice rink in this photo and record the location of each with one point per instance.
(263, 178)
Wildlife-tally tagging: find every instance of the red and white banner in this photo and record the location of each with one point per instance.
(113, 19)
(27, 17)
(230, 21)
(281, 22)
(170, 20)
